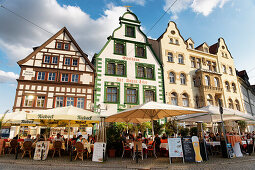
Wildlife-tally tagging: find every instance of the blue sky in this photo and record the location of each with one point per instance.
(91, 22)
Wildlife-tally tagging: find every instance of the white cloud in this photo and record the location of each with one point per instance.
(17, 37)
(8, 77)
(204, 7)
(138, 2)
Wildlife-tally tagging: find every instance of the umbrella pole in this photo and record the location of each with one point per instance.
(68, 135)
(152, 128)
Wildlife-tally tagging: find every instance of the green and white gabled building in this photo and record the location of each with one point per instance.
(128, 71)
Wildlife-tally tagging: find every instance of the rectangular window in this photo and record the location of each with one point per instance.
(46, 59)
(140, 51)
(190, 46)
(149, 95)
(199, 63)
(80, 103)
(145, 71)
(120, 48)
(120, 70)
(112, 94)
(75, 62)
(59, 102)
(59, 45)
(52, 76)
(28, 101)
(75, 78)
(170, 57)
(131, 96)
(115, 67)
(67, 61)
(214, 66)
(66, 46)
(209, 65)
(64, 77)
(130, 31)
(54, 60)
(193, 64)
(69, 101)
(40, 75)
(40, 101)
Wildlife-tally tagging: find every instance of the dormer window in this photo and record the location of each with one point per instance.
(206, 50)
(130, 31)
(191, 46)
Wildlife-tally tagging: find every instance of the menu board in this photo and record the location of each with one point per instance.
(99, 151)
(175, 147)
(41, 150)
(188, 150)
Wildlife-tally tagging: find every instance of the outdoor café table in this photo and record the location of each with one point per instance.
(214, 143)
(51, 146)
(132, 145)
(164, 145)
(88, 146)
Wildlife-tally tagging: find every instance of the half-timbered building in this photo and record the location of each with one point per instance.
(56, 74)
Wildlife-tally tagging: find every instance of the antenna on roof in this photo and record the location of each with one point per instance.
(127, 7)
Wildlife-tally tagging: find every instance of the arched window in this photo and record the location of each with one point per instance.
(227, 86)
(209, 99)
(183, 78)
(171, 41)
(180, 59)
(207, 80)
(172, 77)
(174, 99)
(185, 100)
(170, 57)
(234, 87)
(224, 69)
(230, 71)
(216, 82)
(237, 105)
(230, 104)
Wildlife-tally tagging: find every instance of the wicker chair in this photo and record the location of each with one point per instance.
(57, 145)
(2, 145)
(79, 150)
(13, 145)
(139, 150)
(27, 148)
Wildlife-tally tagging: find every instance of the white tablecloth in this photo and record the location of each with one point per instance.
(164, 145)
(213, 143)
(131, 145)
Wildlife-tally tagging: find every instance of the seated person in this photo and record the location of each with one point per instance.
(164, 136)
(212, 137)
(79, 139)
(58, 138)
(74, 138)
(28, 138)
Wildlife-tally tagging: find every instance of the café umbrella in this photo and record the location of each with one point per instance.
(151, 111)
(64, 116)
(18, 118)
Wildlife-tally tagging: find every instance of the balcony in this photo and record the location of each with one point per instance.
(211, 89)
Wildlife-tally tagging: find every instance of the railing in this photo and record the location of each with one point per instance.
(211, 88)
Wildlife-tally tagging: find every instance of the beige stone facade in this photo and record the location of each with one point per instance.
(197, 76)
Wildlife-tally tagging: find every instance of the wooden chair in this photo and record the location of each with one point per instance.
(125, 149)
(27, 148)
(2, 146)
(79, 150)
(13, 145)
(57, 145)
(139, 145)
(152, 149)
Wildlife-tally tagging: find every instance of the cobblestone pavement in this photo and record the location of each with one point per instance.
(9, 163)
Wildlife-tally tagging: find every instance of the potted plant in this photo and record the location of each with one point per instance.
(242, 124)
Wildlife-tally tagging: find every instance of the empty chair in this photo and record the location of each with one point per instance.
(57, 145)
(79, 150)
(13, 145)
(27, 148)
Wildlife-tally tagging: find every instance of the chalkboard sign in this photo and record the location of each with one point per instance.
(99, 152)
(188, 150)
